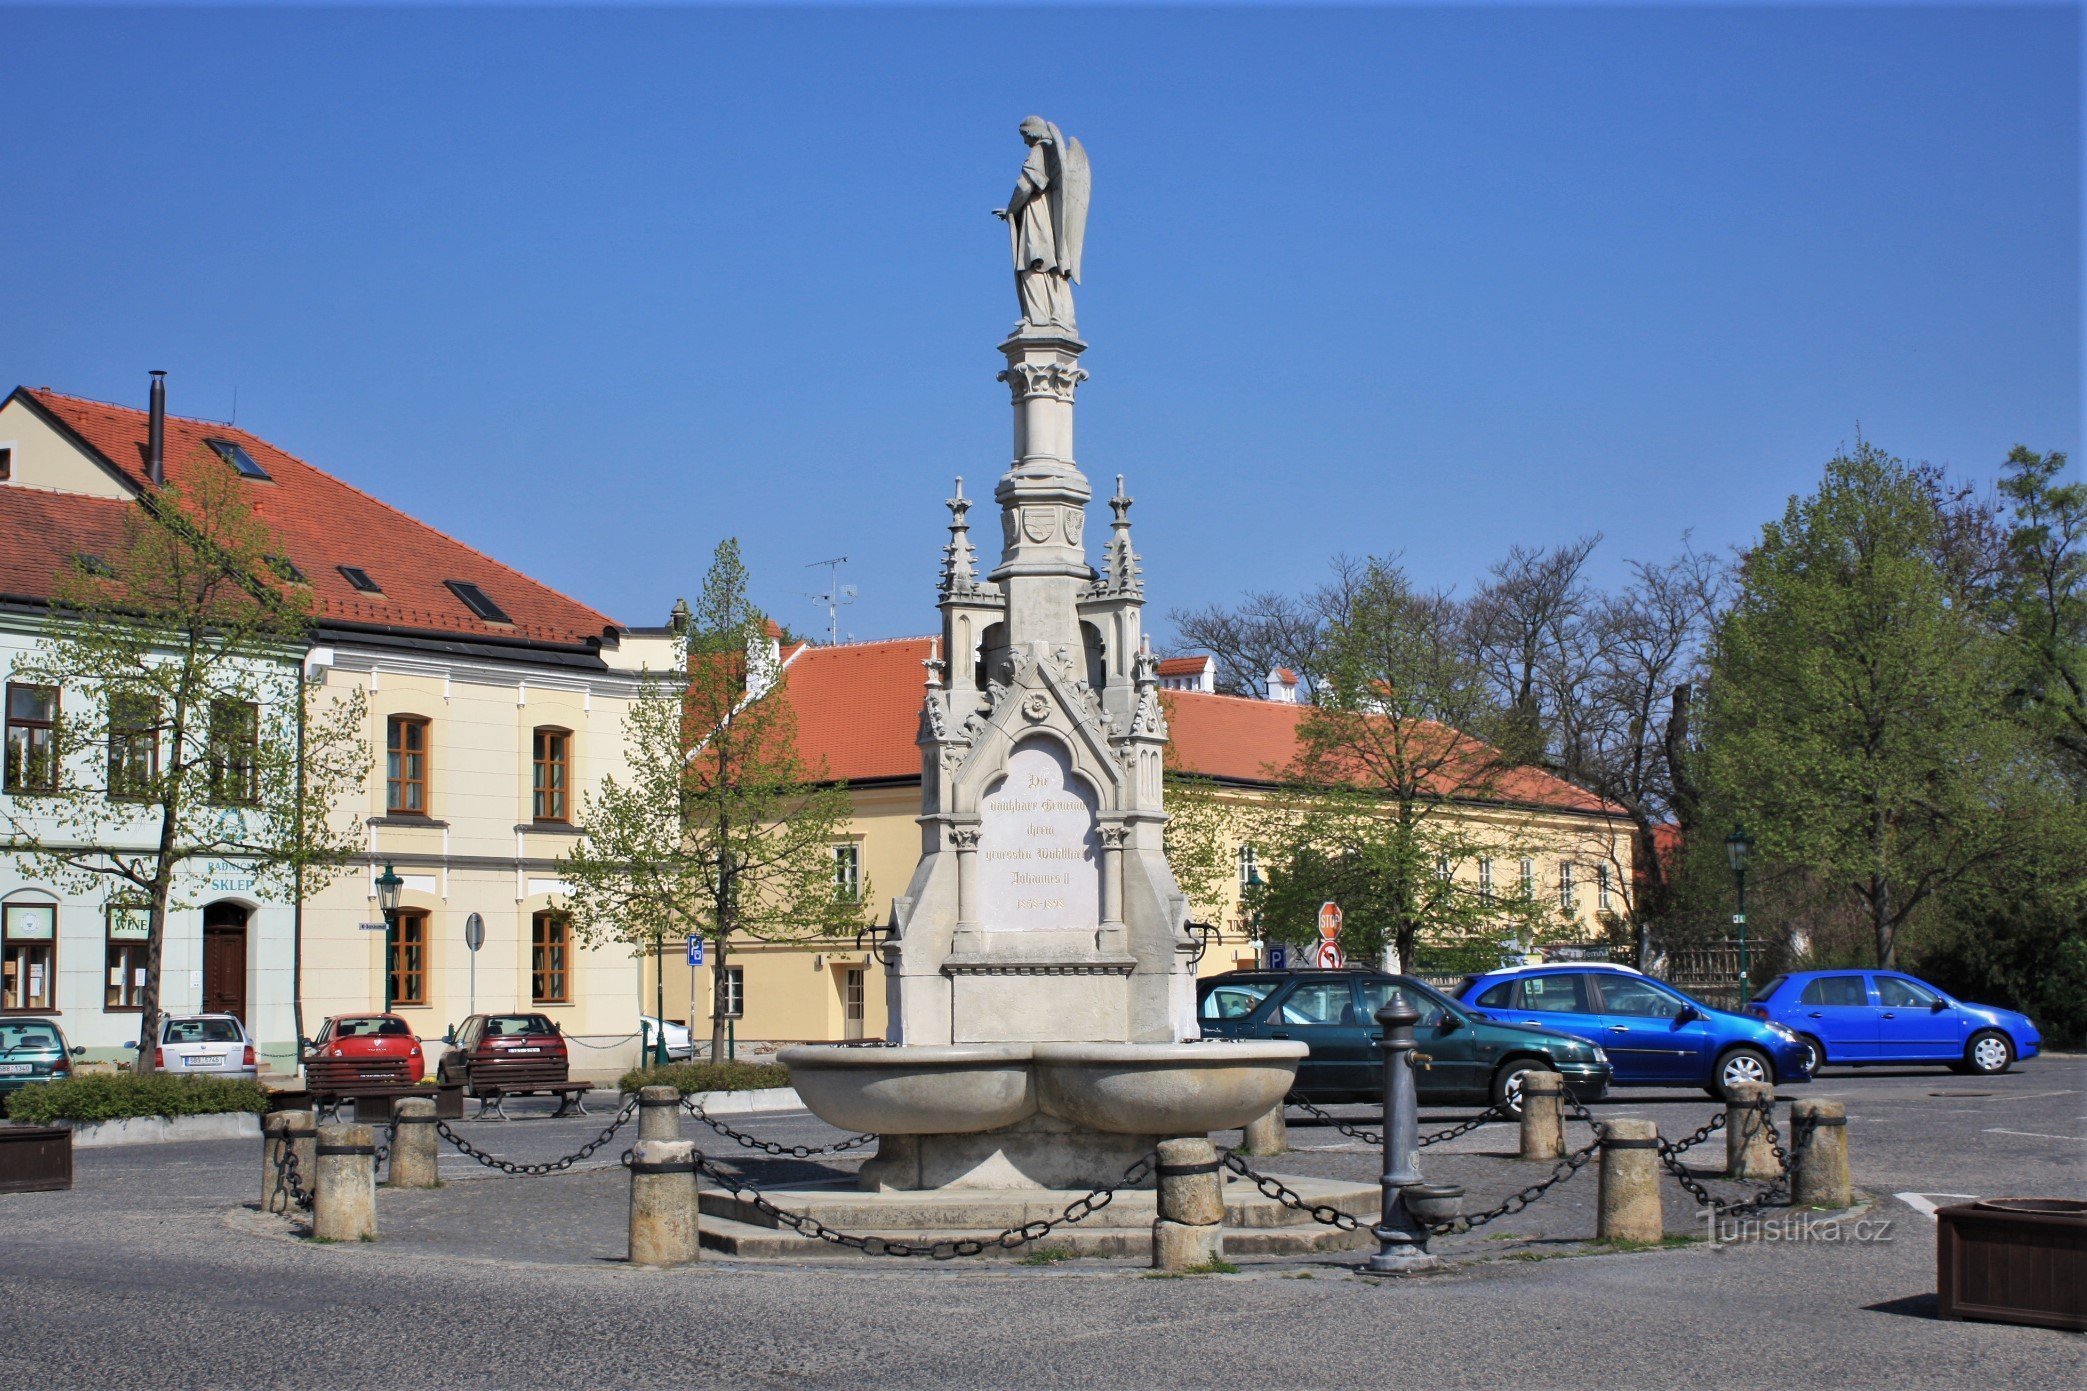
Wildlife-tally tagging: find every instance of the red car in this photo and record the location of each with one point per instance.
(363, 1048)
(516, 1049)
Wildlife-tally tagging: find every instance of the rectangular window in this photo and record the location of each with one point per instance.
(552, 776)
(234, 453)
(6, 462)
(847, 872)
(1565, 885)
(731, 993)
(852, 1001)
(476, 600)
(550, 958)
(358, 579)
(32, 738)
(409, 958)
(28, 956)
(235, 740)
(1443, 871)
(1601, 887)
(1485, 878)
(133, 747)
(1249, 867)
(123, 977)
(406, 766)
(1528, 884)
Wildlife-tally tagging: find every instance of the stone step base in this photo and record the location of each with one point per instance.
(746, 1241)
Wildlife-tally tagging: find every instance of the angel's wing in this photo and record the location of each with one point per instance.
(1069, 195)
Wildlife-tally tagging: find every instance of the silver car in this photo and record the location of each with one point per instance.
(206, 1045)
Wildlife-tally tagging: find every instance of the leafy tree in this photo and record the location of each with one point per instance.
(720, 827)
(187, 732)
(1853, 716)
(2045, 600)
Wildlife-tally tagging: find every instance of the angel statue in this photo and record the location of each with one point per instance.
(1046, 219)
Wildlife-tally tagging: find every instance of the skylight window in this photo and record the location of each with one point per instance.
(286, 569)
(359, 579)
(475, 600)
(95, 565)
(236, 455)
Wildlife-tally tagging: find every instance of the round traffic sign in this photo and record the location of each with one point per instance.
(474, 932)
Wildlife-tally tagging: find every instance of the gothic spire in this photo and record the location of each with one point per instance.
(959, 560)
(1120, 572)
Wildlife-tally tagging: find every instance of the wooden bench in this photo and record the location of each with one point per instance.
(490, 1080)
(373, 1104)
(334, 1082)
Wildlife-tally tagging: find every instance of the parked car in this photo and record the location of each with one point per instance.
(208, 1045)
(32, 1050)
(489, 1040)
(680, 1047)
(1856, 1018)
(364, 1048)
(1655, 1035)
(1334, 1013)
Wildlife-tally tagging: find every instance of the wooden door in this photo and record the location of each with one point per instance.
(224, 969)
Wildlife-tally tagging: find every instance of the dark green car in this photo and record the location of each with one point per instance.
(1470, 1058)
(32, 1050)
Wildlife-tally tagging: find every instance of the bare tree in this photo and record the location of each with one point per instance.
(1526, 620)
(1266, 630)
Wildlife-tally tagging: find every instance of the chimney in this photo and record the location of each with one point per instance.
(156, 431)
(1282, 686)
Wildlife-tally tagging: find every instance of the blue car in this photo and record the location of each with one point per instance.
(1655, 1036)
(1856, 1017)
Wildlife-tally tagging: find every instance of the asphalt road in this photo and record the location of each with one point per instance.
(153, 1271)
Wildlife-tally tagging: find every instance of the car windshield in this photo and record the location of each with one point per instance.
(1236, 999)
(29, 1036)
(371, 1028)
(1431, 1007)
(201, 1031)
(511, 1025)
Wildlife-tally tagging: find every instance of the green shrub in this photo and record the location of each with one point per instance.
(708, 1077)
(120, 1095)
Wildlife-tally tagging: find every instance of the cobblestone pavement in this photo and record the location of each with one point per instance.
(154, 1271)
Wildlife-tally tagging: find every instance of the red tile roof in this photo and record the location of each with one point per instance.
(324, 523)
(41, 532)
(1185, 666)
(858, 711)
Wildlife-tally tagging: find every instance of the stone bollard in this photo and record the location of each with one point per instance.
(1748, 1152)
(1190, 1228)
(413, 1144)
(1270, 1134)
(299, 1131)
(659, 1113)
(1819, 1154)
(344, 1200)
(1629, 1206)
(1543, 1115)
(663, 1221)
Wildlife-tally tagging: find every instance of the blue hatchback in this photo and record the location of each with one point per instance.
(1655, 1036)
(1857, 1017)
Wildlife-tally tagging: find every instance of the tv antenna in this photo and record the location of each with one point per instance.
(836, 597)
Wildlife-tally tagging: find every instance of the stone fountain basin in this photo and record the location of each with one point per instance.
(921, 1090)
(1119, 1088)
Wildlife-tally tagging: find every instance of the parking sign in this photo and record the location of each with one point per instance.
(695, 951)
(1278, 958)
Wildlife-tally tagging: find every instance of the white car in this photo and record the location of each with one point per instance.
(679, 1046)
(206, 1045)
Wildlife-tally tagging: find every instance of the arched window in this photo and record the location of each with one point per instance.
(550, 796)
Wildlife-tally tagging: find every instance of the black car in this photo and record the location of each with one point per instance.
(1470, 1058)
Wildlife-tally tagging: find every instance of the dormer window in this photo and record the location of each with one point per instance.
(235, 454)
(286, 569)
(475, 600)
(359, 579)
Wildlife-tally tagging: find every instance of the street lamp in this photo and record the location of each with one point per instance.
(1253, 883)
(1737, 846)
(659, 997)
(388, 886)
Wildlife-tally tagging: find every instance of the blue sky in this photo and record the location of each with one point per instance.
(591, 288)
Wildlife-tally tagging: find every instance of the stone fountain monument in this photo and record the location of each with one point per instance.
(1040, 967)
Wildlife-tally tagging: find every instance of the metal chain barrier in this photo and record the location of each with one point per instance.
(292, 1180)
(1565, 1168)
(1777, 1192)
(1012, 1238)
(1275, 1188)
(508, 1166)
(1371, 1137)
(754, 1142)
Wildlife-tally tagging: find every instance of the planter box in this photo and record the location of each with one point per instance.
(35, 1158)
(159, 1130)
(2013, 1260)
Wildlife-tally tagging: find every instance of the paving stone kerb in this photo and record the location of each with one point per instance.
(1628, 1206)
(1189, 1230)
(1749, 1153)
(1819, 1154)
(659, 1113)
(344, 1198)
(412, 1163)
(297, 1130)
(1543, 1115)
(663, 1222)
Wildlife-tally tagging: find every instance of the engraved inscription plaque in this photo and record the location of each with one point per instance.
(1039, 859)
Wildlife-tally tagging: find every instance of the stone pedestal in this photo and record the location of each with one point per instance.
(1038, 1152)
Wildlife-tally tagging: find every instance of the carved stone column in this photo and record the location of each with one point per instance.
(964, 839)
(1112, 839)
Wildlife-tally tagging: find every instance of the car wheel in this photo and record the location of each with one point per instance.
(1989, 1053)
(1507, 1083)
(1741, 1065)
(1814, 1054)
